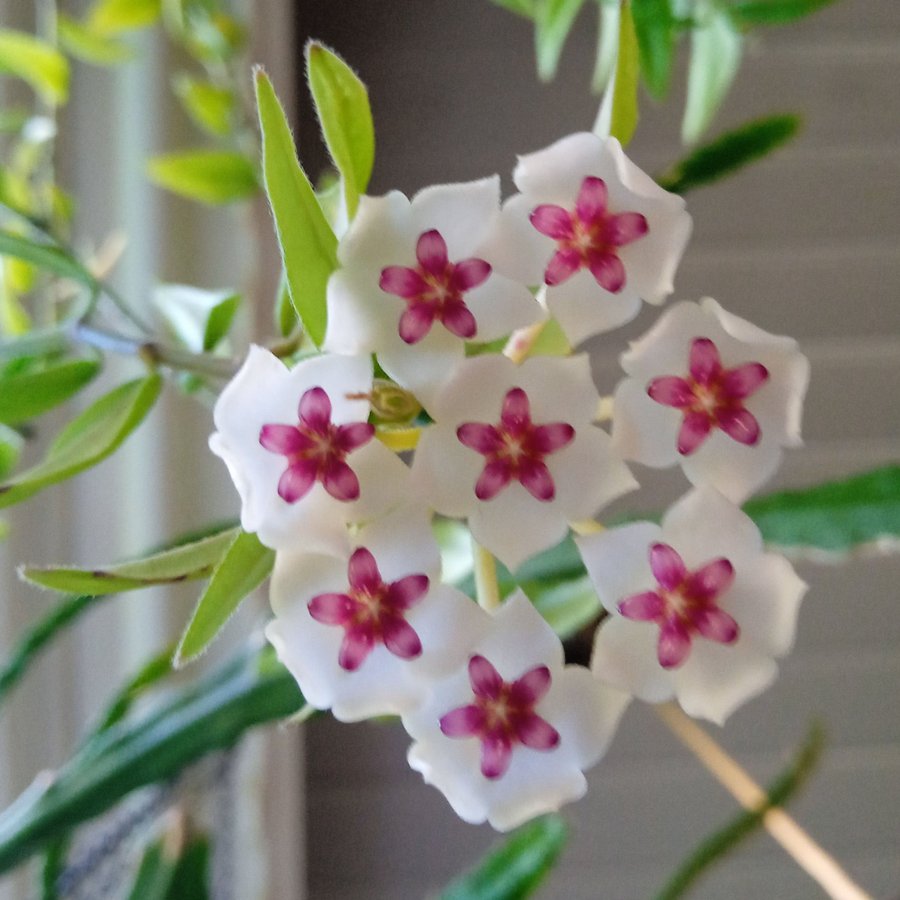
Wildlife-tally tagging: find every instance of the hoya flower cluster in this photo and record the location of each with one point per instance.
(428, 289)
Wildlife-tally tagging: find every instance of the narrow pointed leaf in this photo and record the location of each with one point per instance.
(36, 62)
(45, 256)
(342, 105)
(747, 13)
(245, 565)
(27, 395)
(91, 46)
(654, 28)
(308, 245)
(607, 45)
(11, 443)
(198, 318)
(210, 176)
(187, 562)
(624, 116)
(88, 439)
(553, 22)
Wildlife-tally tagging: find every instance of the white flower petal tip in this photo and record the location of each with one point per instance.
(699, 611)
(301, 452)
(417, 282)
(514, 450)
(714, 393)
(366, 632)
(595, 230)
(509, 735)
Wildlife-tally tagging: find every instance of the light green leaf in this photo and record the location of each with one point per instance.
(520, 7)
(747, 13)
(285, 315)
(729, 152)
(11, 443)
(342, 105)
(863, 510)
(551, 341)
(37, 62)
(184, 563)
(198, 318)
(553, 21)
(14, 318)
(245, 565)
(90, 46)
(624, 115)
(567, 606)
(308, 245)
(607, 44)
(107, 17)
(29, 394)
(210, 176)
(210, 106)
(88, 439)
(654, 28)
(45, 256)
(515, 869)
(715, 57)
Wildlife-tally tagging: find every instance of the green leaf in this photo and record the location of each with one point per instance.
(624, 116)
(27, 395)
(45, 256)
(285, 315)
(553, 20)
(747, 13)
(11, 443)
(210, 106)
(837, 517)
(199, 319)
(342, 105)
(515, 869)
(520, 7)
(729, 152)
(186, 562)
(607, 44)
(210, 176)
(713, 848)
(191, 881)
(88, 439)
(89, 46)
(715, 56)
(36, 62)
(567, 606)
(209, 714)
(245, 565)
(308, 245)
(654, 28)
(108, 17)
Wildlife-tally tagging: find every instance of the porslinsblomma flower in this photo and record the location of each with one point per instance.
(593, 228)
(301, 452)
(514, 450)
(365, 632)
(415, 283)
(699, 611)
(714, 393)
(509, 735)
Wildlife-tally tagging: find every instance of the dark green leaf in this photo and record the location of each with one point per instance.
(210, 106)
(553, 22)
(115, 16)
(245, 565)
(37, 62)
(191, 880)
(156, 873)
(199, 319)
(176, 867)
(11, 443)
(88, 439)
(747, 13)
(654, 27)
(342, 105)
(91, 46)
(25, 396)
(308, 245)
(210, 176)
(515, 869)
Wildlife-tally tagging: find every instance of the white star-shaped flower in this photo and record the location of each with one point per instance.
(415, 283)
(301, 451)
(593, 228)
(699, 611)
(508, 735)
(513, 449)
(714, 393)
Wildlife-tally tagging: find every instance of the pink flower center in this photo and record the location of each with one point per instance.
(434, 289)
(371, 612)
(316, 449)
(684, 604)
(711, 397)
(589, 237)
(502, 715)
(515, 448)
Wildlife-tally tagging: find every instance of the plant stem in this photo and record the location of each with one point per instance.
(487, 591)
(812, 858)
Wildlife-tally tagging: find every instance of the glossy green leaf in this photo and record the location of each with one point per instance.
(108, 17)
(88, 439)
(199, 319)
(45, 256)
(567, 606)
(520, 7)
(715, 57)
(607, 44)
(29, 394)
(210, 176)
(90, 46)
(11, 443)
(210, 106)
(624, 112)
(515, 869)
(654, 28)
(839, 516)
(729, 152)
(553, 20)
(186, 562)
(242, 569)
(209, 714)
(747, 13)
(342, 105)
(308, 245)
(36, 62)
